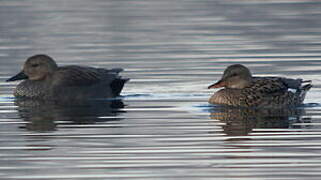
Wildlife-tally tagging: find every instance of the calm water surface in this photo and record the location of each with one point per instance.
(162, 127)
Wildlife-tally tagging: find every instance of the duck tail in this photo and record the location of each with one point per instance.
(294, 83)
(306, 87)
(117, 70)
(303, 90)
(117, 85)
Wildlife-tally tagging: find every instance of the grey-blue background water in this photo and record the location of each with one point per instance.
(172, 50)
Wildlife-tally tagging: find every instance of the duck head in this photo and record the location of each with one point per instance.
(36, 67)
(235, 76)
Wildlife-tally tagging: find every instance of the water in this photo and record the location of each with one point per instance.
(172, 50)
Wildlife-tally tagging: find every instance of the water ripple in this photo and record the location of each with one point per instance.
(162, 126)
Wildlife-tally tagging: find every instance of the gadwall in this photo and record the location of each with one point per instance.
(241, 89)
(45, 80)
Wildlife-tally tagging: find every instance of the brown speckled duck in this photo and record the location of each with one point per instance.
(242, 89)
(43, 79)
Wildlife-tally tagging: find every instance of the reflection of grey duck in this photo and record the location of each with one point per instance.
(45, 80)
(241, 89)
(42, 115)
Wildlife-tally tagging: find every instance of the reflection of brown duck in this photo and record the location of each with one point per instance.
(241, 121)
(241, 89)
(45, 80)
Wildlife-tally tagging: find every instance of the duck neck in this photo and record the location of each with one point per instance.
(241, 83)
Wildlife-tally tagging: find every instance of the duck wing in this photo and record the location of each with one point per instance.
(289, 82)
(274, 91)
(83, 76)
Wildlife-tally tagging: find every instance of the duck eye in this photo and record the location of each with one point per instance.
(34, 65)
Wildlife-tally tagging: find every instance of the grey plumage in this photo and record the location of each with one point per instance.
(45, 80)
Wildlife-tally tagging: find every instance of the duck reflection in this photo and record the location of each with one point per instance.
(241, 121)
(44, 116)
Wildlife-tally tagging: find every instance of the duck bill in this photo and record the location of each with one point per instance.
(18, 76)
(218, 84)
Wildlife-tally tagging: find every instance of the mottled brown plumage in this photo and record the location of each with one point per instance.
(45, 80)
(241, 89)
